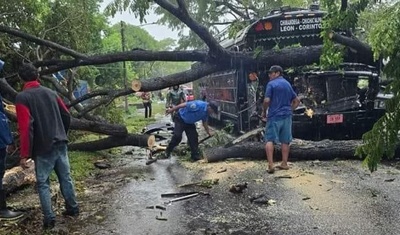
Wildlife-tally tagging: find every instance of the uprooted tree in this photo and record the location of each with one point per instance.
(54, 57)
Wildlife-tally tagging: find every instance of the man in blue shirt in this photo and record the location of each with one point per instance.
(187, 115)
(280, 101)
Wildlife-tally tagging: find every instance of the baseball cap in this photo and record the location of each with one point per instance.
(275, 68)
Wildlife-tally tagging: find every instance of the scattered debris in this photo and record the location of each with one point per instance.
(161, 207)
(222, 170)
(337, 181)
(238, 188)
(182, 198)
(204, 183)
(314, 208)
(283, 177)
(160, 217)
(389, 180)
(157, 207)
(259, 180)
(271, 202)
(260, 199)
(306, 198)
(102, 165)
(182, 194)
(257, 196)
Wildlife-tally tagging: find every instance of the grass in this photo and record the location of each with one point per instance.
(135, 120)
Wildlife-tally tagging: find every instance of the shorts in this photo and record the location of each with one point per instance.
(279, 131)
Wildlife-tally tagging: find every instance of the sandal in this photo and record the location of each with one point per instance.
(283, 167)
(271, 170)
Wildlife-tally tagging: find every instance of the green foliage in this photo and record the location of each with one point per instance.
(216, 16)
(257, 51)
(111, 112)
(338, 19)
(139, 8)
(384, 37)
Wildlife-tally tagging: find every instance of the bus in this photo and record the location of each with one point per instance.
(343, 103)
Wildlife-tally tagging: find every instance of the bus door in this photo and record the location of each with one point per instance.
(243, 102)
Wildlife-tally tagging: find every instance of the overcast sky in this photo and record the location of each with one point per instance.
(157, 31)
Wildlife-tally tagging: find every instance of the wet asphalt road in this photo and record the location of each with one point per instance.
(336, 197)
(312, 198)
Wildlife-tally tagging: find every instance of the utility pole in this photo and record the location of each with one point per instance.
(124, 63)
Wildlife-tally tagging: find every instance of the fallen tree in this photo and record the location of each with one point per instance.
(115, 141)
(213, 59)
(299, 150)
(17, 177)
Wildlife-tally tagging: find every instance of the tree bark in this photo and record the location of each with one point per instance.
(360, 51)
(98, 127)
(299, 150)
(17, 177)
(114, 141)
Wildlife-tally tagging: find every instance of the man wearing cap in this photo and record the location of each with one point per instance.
(187, 115)
(280, 101)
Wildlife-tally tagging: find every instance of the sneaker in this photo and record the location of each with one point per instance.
(151, 160)
(283, 167)
(72, 213)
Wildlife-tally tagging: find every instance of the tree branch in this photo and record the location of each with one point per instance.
(232, 8)
(91, 95)
(135, 55)
(215, 48)
(39, 41)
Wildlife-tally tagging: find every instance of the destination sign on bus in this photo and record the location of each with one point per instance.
(300, 24)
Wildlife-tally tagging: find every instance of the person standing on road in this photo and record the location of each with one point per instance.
(6, 146)
(175, 96)
(146, 99)
(187, 115)
(280, 101)
(43, 122)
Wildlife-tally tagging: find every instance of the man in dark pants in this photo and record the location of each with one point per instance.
(185, 118)
(146, 99)
(43, 122)
(6, 141)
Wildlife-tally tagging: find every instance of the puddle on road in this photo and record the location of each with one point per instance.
(127, 213)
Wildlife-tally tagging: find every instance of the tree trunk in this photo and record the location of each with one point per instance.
(299, 150)
(17, 177)
(114, 141)
(98, 127)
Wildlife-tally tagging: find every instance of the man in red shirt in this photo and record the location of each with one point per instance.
(43, 122)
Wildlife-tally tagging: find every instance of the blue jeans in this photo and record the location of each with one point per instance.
(2, 166)
(279, 131)
(57, 160)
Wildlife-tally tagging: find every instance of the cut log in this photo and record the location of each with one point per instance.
(17, 177)
(115, 141)
(299, 150)
(136, 85)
